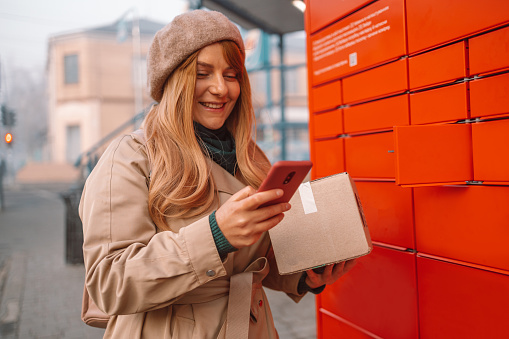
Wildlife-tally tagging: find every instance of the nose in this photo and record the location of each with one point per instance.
(218, 86)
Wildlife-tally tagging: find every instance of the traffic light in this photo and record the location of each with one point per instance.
(8, 116)
(8, 139)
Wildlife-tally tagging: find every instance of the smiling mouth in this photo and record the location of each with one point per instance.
(211, 105)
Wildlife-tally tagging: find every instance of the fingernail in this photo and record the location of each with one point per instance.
(287, 207)
(279, 193)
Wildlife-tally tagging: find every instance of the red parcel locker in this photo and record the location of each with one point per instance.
(328, 124)
(379, 294)
(468, 223)
(377, 115)
(328, 158)
(335, 327)
(433, 154)
(388, 209)
(491, 152)
(377, 82)
(368, 37)
(489, 52)
(445, 64)
(458, 301)
(442, 104)
(326, 97)
(325, 12)
(370, 156)
(435, 22)
(489, 96)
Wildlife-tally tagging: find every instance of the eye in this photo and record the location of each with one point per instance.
(231, 76)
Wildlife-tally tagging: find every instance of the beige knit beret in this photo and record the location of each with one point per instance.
(183, 36)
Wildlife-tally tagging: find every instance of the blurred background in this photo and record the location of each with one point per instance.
(72, 78)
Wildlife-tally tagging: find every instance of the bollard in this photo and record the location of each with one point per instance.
(73, 227)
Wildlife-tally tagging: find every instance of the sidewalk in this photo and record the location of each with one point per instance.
(40, 295)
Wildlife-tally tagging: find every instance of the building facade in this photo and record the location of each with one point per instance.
(97, 82)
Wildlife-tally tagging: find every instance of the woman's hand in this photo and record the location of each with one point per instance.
(329, 275)
(242, 222)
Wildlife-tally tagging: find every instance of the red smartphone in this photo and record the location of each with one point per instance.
(287, 175)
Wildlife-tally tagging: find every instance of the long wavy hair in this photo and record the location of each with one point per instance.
(181, 184)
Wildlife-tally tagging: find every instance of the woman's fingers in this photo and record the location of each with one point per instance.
(330, 274)
(243, 222)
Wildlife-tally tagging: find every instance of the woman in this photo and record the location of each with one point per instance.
(175, 245)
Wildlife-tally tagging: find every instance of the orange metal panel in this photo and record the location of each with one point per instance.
(435, 22)
(489, 96)
(328, 124)
(334, 327)
(329, 157)
(389, 212)
(368, 37)
(378, 294)
(442, 104)
(458, 301)
(491, 152)
(433, 154)
(376, 115)
(464, 223)
(370, 156)
(380, 81)
(326, 97)
(438, 66)
(489, 52)
(324, 12)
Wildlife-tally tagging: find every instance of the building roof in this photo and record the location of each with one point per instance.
(147, 26)
(272, 16)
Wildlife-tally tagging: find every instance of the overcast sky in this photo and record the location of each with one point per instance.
(25, 25)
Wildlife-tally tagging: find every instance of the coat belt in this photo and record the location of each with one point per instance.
(240, 289)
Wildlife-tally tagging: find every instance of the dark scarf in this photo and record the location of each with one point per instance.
(218, 145)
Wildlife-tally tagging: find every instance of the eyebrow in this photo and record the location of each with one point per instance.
(204, 64)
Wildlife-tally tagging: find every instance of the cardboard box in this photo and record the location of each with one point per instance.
(326, 225)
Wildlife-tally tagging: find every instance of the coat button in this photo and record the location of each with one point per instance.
(260, 303)
(211, 273)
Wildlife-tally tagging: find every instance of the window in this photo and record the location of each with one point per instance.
(71, 69)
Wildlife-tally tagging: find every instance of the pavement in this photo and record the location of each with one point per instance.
(40, 293)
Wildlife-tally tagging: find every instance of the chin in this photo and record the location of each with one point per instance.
(213, 125)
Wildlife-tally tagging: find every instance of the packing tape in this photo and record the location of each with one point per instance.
(307, 198)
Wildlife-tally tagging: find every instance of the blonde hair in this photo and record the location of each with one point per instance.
(181, 184)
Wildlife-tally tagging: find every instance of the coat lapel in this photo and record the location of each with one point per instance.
(224, 181)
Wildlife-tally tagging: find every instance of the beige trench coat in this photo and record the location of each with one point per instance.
(168, 284)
